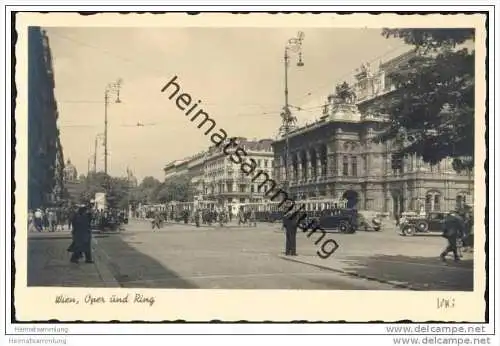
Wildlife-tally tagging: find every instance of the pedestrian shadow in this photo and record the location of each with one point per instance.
(134, 269)
(419, 273)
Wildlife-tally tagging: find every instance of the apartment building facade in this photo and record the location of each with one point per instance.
(217, 178)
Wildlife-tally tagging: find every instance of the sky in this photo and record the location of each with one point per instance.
(237, 73)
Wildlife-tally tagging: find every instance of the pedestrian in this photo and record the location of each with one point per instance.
(241, 216)
(453, 230)
(38, 217)
(45, 217)
(252, 219)
(222, 217)
(52, 219)
(81, 235)
(69, 217)
(31, 221)
(290, 226)
(156, 221)
(197, 216)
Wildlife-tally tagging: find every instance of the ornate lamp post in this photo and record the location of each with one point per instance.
(97, 137)
(111, 89)
(294, 45)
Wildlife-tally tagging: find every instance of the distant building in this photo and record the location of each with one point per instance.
(44, 147)
(335, 157)
(73, 186)
(132, 180)
(70, 172)
(215, 177)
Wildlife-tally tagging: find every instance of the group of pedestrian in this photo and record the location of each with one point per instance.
(247, 217)
(49, 219)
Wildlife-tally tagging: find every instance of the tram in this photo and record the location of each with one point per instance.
(329, 214)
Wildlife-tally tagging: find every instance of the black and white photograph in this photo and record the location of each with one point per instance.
(286, 156)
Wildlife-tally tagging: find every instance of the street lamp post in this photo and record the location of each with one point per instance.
(99, 135)
(111, 88)
(294, 45)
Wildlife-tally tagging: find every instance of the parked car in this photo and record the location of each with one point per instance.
(431, 222)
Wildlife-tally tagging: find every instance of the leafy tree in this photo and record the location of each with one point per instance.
(145, 192)
(431, 111)
(117, 189)
(178, 188)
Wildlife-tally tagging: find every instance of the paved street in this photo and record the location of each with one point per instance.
(183, 256)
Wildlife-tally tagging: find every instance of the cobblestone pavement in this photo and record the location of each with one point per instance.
(183, 256)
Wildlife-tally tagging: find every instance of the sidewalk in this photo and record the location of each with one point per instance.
(49, 265)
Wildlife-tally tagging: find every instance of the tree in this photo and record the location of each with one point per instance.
(431, 111)
(117, 189)
(178, 188)
(146, 191)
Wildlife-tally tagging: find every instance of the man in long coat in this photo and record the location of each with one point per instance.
(82, 235)
(290, 225)
(454, 228)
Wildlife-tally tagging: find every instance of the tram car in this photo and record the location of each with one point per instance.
(268, 211)
(329, 214)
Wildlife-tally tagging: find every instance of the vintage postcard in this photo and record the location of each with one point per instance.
(250, 167)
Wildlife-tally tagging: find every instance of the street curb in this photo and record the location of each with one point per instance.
(353, 274)
(101, 263)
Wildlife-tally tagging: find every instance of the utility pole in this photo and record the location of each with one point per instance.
(293, 45)
(111, 88)
(95, 154)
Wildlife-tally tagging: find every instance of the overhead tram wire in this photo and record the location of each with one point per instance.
(152, 69)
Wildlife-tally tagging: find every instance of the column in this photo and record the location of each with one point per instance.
(308, 164)
(330, 166)
(319, 165)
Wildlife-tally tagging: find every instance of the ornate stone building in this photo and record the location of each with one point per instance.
(335, 157)
(44, 148)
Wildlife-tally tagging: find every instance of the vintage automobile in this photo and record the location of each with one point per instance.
(431, 222)
(344, 220)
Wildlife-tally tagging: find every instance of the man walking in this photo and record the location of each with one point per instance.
(453, 230)
(156, 221)
(241, 216)
(82, 236)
